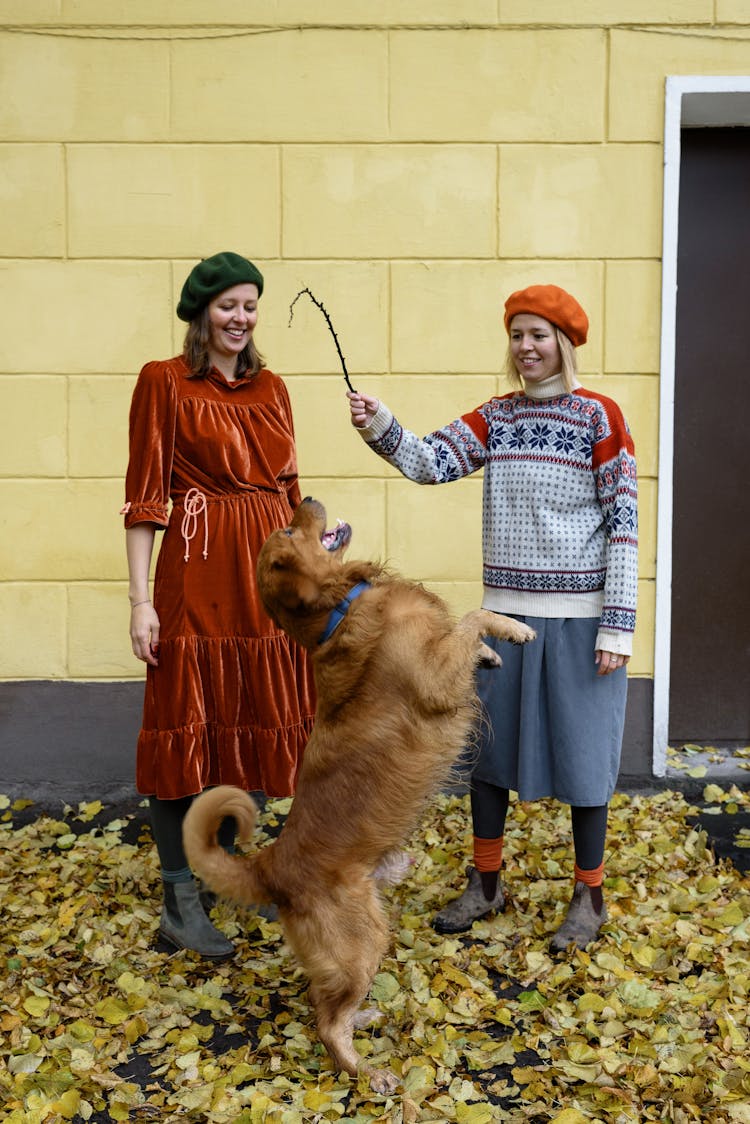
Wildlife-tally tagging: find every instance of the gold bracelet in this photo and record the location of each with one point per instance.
(137, 603)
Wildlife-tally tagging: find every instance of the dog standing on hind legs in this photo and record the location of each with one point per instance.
(394, 675)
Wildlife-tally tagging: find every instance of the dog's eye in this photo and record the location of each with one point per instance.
(288, 531)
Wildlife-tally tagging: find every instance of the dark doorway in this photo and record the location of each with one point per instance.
(710, 643)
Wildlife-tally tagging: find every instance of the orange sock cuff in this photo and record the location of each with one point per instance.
(488, 854)
(590, 877)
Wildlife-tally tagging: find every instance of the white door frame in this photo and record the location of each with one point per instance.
(699, 101)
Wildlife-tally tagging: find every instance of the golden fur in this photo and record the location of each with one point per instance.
(396, 705)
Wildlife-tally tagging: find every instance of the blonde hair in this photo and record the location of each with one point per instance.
(196, 352)
(568, 365)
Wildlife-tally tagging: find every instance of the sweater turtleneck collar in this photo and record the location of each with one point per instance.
(553, 387)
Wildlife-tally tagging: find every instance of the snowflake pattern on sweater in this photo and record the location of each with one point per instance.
(560, 524)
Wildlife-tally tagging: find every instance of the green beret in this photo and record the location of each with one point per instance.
(212, 276)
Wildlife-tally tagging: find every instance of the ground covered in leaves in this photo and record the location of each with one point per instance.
(99, 1022)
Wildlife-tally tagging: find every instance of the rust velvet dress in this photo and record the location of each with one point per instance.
(232, 699)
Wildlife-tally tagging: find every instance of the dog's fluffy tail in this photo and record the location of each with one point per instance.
(230, 876)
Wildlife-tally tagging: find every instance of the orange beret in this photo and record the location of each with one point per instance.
(553, 304)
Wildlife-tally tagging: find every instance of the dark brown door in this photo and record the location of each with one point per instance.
(710, 664)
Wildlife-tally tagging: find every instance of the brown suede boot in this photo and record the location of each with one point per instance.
(460, 914)
(582, 922)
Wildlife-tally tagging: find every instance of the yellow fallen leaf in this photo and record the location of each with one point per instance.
(189, 1060)
(524, 1075)
(113, 1011)
(613, 963)
(24, 1063)
(474, 1113)
(418, 1080)
(739, 1112)
(88, 811)
(316, 1100)
(582, 1053)
(646, 955)
(385, 986)
(67, 1105)
(637, 995)
(81, 1060)
(729, 917)
(590, 1001)
(569, 1116)
(36, 1005)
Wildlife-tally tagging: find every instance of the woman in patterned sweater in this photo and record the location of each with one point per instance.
(560, 552)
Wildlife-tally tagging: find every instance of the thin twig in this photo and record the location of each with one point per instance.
(330, 328)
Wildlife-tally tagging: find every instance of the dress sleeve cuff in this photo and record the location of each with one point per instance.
(145, 513)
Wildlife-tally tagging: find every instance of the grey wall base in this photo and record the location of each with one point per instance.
(636, 766)
(65, 742)
(61, 743)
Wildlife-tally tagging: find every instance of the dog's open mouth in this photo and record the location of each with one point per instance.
(337, 537)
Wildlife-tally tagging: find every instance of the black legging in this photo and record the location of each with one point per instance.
(489, 807)
(166, 826)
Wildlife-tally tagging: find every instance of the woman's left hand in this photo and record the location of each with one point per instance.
(608, 662)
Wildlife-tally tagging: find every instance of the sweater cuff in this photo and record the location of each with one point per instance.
(621, 643)
(379, 425)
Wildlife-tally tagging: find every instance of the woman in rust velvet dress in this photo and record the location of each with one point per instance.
(229, 698)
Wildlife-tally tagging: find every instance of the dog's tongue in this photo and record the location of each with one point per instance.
(337, 537)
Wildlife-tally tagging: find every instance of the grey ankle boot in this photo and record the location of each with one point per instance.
(582, 922)
(184, 923)
(207, 898)
(472, 905)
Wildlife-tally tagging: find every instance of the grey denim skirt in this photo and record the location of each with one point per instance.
(551, 726)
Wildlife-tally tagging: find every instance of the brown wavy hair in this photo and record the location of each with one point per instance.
(195, 350)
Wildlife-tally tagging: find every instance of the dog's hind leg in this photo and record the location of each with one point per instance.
(393, 867)
(340, 948)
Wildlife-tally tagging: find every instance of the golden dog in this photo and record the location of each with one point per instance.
(396, 705)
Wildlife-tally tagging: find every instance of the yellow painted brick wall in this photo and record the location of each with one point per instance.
(410, 161)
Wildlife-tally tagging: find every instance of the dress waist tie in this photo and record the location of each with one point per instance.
(194, 505)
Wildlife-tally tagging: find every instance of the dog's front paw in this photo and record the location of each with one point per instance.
(488, 658)
(518, 632)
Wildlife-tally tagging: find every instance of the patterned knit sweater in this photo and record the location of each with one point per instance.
(560, 524)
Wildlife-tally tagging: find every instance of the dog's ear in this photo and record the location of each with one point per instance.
(296, 591)
(282, 584)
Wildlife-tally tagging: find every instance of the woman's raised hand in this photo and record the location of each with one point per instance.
(363, 408)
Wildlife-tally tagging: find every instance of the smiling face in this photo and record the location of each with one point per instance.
(232, 317)
(534, 347)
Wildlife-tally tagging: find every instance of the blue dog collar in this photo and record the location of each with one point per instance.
(338, 612)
